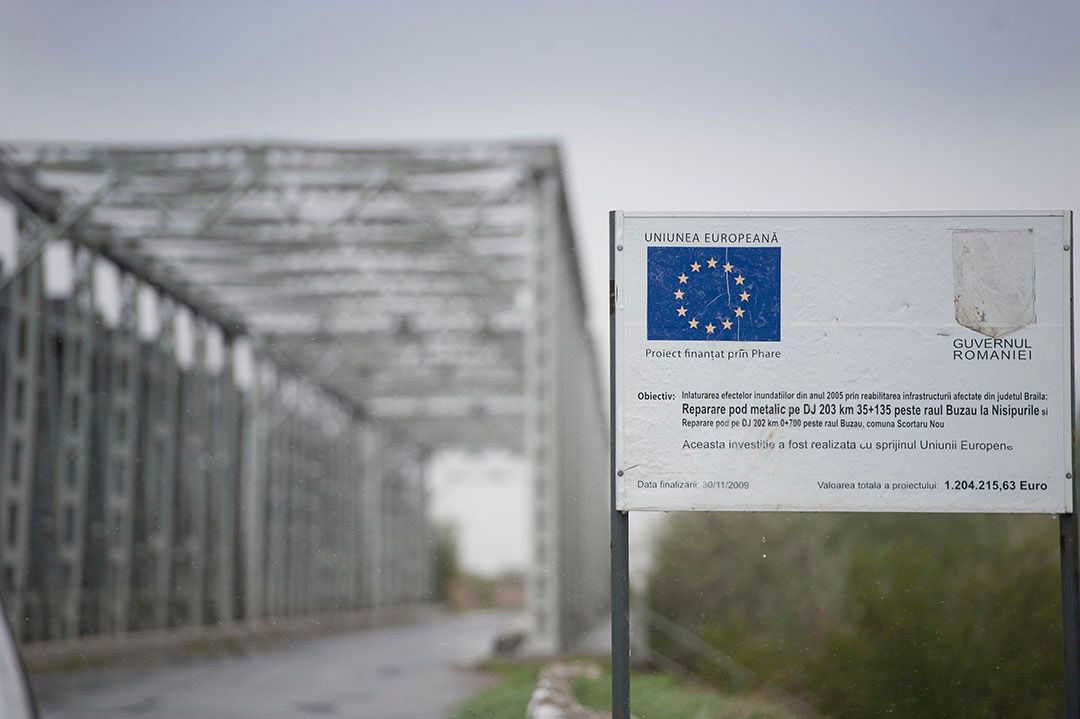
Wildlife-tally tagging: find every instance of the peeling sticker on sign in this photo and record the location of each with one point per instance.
(994, 280)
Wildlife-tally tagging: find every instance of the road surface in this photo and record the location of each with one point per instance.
(415, 671)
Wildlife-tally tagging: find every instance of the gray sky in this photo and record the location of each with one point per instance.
(672, 105)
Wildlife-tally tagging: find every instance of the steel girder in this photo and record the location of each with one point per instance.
(427, 237)
(396, 300)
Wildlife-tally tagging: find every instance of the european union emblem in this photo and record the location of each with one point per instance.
(728, 294)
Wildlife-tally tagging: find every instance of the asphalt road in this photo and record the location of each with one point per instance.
(415, 671)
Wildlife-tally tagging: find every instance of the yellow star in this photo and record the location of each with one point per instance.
(678, 294)
(709, 328)
(739, 279)
(739, 312)
(728, 267)
(711, 262)
(681, 311)
(682, 279)
(693, 324)
(695, 267)
(727, 324)
(744, 296)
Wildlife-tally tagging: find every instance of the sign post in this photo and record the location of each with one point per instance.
(899, 362)
(1069, 539)
(620, 542)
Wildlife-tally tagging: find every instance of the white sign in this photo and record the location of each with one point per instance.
(843, 362)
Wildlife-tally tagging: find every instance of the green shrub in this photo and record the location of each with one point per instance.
(863, 615)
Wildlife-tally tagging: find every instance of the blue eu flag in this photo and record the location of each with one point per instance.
(726, 294)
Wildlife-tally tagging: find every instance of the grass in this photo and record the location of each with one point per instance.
(661, 696)
(508, 698)
(655, 696)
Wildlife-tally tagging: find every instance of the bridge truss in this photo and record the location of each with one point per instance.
(223, 368)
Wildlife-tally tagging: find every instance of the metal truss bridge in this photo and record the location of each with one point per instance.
(223, 367)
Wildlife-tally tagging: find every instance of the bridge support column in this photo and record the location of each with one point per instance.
(566, 437)
(541, 448)
(21, 326)
(255, 455)
(118, 395)
(62, 493)
(374, 478)
(154, 489)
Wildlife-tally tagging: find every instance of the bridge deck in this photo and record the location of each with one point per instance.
(403, 672)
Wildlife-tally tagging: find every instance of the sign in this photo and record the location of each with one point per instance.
(844, 362)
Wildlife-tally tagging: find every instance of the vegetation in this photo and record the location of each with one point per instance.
(462, 590)
(446, 567)
(661, 696)
(655, 696)
(868, 615)
(471, 591)
(508, 698)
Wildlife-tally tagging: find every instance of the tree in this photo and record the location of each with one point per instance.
(445, 560)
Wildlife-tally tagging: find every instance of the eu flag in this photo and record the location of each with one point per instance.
(727, 294)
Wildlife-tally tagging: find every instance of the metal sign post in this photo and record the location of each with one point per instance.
(1070, 552)
(1070, 609)
(925, 366)
(620, 544)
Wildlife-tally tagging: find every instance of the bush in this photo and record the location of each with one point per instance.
(862, 615)
(444, 560)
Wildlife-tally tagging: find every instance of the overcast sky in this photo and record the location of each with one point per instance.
(672, 105)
